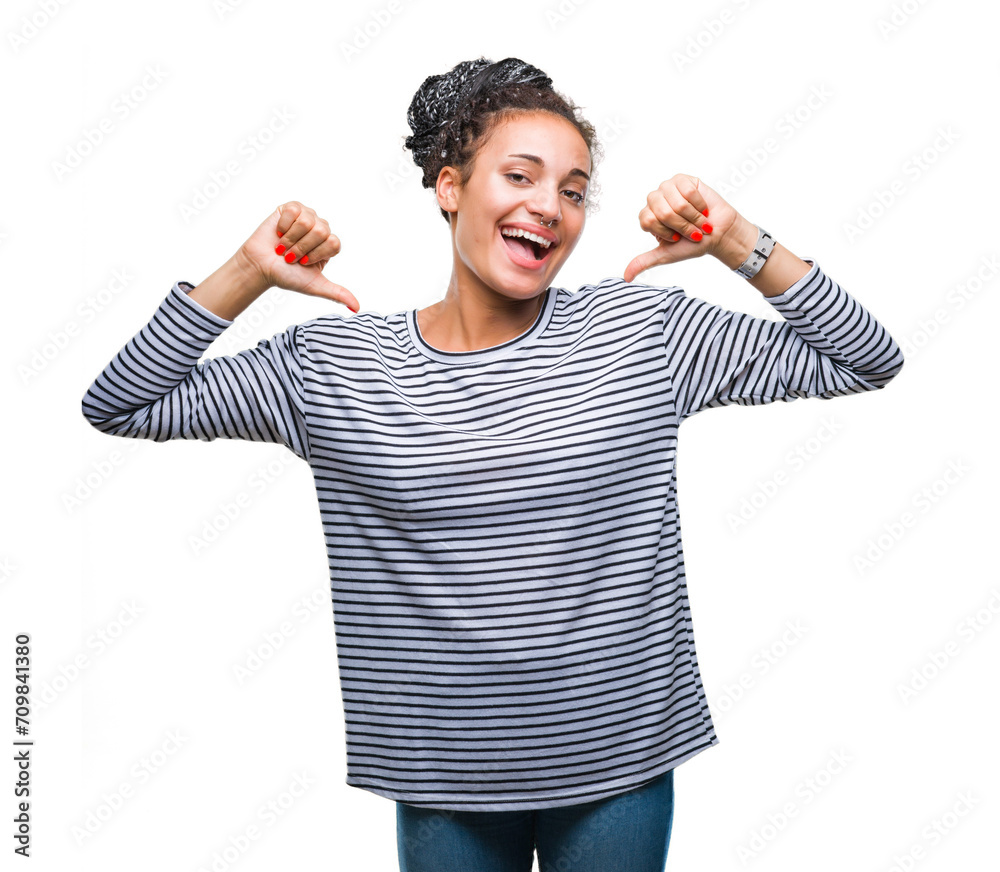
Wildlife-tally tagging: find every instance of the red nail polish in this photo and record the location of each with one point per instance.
(279, 249)
(707, 228)
(675, 237)
(704, 212)
(305, 257)
(289, 258)
(696, 236)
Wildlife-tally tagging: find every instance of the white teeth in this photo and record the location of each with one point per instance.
(534, 237)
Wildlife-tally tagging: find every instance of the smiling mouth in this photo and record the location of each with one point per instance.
(525, 248)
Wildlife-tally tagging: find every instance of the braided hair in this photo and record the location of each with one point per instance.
(453, 113)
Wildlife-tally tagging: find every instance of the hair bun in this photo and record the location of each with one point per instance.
(438, 98)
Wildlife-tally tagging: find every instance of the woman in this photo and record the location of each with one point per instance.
(495, 474)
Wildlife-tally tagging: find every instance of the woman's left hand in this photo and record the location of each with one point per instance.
(675, 214)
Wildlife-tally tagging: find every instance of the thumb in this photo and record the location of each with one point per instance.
(642, 262)
(321, 286)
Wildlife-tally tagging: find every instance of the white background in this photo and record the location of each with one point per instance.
(93, 524)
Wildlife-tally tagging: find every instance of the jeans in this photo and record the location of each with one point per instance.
(627, 831)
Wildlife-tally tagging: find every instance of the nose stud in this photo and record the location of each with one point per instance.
(547, 223)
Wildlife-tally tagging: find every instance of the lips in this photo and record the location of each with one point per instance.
(535, 229)
(521, 251)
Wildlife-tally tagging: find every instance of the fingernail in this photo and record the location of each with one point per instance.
(355, 311)
(279, 249)
(696, 236)
(289, 258)
(707, 228)
(675, 237)
(305, 257)
(704, 212)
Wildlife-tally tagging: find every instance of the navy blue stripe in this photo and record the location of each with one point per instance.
(506, 572)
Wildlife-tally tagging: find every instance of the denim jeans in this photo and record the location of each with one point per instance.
(628, 831)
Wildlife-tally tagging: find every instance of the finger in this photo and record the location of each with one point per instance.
(651, 224)
(321, 286)
(690, 188)
(671, 210)
(304, 221)
(326, 249)
(642, 262)
(307, 245)
(287, 213)
(305, 252)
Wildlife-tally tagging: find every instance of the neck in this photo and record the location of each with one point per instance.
(470, 319)
(473, 316)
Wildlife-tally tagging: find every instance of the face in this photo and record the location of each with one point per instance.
(535, 167)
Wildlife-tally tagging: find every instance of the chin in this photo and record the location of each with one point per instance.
(526, 287)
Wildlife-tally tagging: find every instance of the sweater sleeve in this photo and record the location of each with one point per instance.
(829, 345)
(154, 387)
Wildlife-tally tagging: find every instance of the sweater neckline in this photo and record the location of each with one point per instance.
(481, 355)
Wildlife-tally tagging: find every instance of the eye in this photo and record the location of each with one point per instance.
(519, 178)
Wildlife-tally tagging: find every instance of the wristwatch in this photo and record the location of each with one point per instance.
(758, 257)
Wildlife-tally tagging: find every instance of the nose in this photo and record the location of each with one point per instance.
(545, 205)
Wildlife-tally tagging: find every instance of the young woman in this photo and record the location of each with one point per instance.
(495, 474)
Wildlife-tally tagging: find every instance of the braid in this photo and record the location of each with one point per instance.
(451, 113)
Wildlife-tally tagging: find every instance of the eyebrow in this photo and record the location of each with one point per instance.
(534, 158)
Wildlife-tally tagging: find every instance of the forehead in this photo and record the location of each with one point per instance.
(554, 139)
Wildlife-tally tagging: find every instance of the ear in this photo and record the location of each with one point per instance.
(447, 189)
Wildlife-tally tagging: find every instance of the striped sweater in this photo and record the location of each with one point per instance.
(510, 604)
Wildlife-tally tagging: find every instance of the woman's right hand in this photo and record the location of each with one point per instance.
(303, 234)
